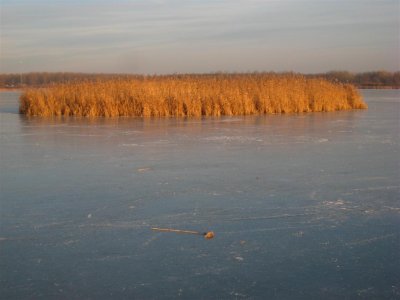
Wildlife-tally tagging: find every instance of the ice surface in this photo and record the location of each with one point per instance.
(303, 206)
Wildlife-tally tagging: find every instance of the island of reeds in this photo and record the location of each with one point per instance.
(191, 95)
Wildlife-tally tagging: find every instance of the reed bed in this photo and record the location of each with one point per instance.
(191, 96)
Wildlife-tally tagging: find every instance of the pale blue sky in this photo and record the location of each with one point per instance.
(161, 36)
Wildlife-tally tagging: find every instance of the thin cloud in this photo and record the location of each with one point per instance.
(82, 33)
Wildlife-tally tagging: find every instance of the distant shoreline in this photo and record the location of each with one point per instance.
(21, 89)
(378, 87)
(365, 80)
(11, 89)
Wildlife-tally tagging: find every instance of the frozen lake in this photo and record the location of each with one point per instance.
(303, 206)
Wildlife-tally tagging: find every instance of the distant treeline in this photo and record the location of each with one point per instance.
(41, 79)
(376, 79)
(191, 96)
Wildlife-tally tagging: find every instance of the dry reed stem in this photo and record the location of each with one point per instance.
(191, 96)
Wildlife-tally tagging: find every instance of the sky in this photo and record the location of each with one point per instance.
(199, 36)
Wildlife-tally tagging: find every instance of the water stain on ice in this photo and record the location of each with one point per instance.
(322, 140)
(370, 240)
(142, 170)
(131, 145)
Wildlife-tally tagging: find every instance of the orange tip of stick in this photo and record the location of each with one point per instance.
(209, 235)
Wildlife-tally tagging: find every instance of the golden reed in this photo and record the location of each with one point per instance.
(191, 95)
